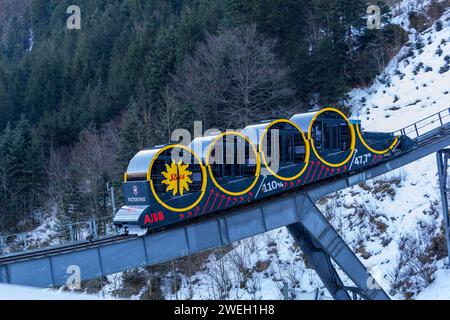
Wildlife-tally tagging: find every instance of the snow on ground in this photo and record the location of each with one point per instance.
(413, 87)
(10, 292)
(256, 269)
(401, 10)
(440, 288)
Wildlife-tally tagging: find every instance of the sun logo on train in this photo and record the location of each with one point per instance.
(178, 178)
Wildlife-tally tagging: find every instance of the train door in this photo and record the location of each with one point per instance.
(291, 146)
(330, 137)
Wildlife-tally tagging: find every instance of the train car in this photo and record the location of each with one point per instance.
(172, 184)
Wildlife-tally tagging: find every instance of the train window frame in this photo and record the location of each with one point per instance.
(226, 171)
(288, 141)
(332, 136)
(157, 178)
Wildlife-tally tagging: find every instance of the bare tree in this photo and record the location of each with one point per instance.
(77, 178)
(56, 171)
(169, 117)
(93, 161)
(233, 78)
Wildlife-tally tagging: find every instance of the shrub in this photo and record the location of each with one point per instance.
(444, 69)
(418, 21)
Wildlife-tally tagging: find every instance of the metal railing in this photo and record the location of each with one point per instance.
(425, 125)
(86, 230)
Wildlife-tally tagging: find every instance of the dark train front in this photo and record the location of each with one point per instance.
(170, 184)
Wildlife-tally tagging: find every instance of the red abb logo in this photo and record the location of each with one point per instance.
(154, 217)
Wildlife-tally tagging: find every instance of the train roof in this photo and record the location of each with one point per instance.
(303, 120)
(254, 132)
(200, 146)
(141, 161)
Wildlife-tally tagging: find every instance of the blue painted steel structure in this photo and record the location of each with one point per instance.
(443, 157)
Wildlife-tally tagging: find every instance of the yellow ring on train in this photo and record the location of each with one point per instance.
(204, 179)
(352, 134)
(258, 164)
(263, 156)
(392, 146)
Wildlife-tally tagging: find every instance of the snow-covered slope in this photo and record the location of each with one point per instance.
(9, 292)
(415, 85)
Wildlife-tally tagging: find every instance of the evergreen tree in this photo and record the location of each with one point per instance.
(132, 134)
(6, 217)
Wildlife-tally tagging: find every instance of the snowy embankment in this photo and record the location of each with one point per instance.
(402, 254)
(9, 292)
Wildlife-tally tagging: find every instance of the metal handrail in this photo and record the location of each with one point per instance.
(73, 232)
(425, 122)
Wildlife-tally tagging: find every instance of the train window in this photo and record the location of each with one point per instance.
(232, 165)
(249, 170)
(326, 137)
(345, 139)
(239, 170)
(238, 160)
(196, 184)
(317, 135)
(299, 151)
(332, 136)
(335, 137)
(289, 147)
(157, 176)
(217, 170)
(228, 170)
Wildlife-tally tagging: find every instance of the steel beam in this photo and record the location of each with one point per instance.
(320, 261)
(329, 244)
(442, 164)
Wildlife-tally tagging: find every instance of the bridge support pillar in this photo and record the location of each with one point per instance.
(442, 164)
(320, 261)
(321, 244)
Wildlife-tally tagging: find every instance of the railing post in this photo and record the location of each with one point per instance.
(442, 163)
(71, 235)
(24, 239)
(285, 291)
(94, 228)
(2, 246)
(316, 295)
(417, 130)
(440, 119)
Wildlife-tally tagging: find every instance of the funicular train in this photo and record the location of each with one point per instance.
(172, 184)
